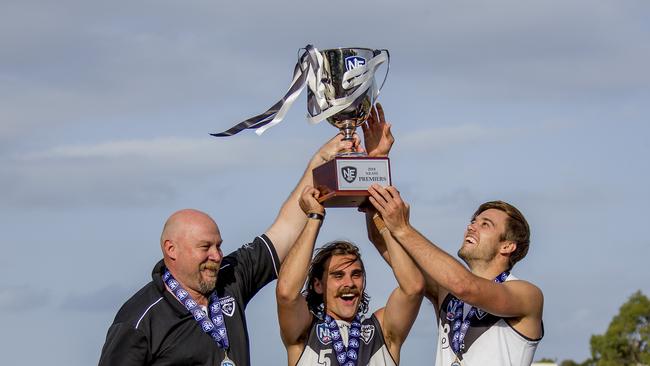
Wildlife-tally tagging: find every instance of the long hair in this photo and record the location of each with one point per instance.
(317, 269)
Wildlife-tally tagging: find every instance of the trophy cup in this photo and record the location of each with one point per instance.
(344, 181)
(342, 90)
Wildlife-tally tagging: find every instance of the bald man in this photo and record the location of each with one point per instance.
(192, 312)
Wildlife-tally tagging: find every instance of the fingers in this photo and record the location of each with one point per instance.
(380, 111)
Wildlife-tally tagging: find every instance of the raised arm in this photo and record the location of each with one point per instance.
(291, 220)
(510, 299)
(293, 312)
(378, 140)
(403, 305)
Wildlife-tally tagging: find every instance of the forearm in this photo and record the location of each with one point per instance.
(287, 225)
(441, 268)
(295, 267)
(407, 274)
(375, 237)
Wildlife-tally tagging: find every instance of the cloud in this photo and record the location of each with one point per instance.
(107, 298)
(131, 173)
(24, 298)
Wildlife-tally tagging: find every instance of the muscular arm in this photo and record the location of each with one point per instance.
(516, 299)
(290, 220)
(403, 305)
(293, 312)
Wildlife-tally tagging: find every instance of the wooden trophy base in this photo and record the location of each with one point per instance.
(344, 181)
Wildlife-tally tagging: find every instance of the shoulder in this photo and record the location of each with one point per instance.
(523, 288)
(144, 307)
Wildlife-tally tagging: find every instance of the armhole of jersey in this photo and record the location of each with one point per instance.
(528, 339)
(271, 250)
(314, 321)
(383, 340)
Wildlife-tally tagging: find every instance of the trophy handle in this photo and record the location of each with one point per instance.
(377, 52)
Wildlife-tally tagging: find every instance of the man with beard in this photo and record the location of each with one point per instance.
(486, 316)
(326, 325)
(192, 312)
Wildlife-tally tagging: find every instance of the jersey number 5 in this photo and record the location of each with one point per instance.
(323, 359)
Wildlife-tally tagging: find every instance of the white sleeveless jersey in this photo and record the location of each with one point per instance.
(490, 341)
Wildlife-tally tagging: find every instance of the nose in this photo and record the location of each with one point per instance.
(471, 226)
(347, 281)
(215, 254)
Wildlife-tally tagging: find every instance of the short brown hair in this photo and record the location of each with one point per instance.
(317, 269)
(517, 228)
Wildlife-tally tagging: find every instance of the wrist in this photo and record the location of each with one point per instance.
(315, 215)
(402, 231)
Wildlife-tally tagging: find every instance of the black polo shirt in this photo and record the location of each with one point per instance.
(154, 328)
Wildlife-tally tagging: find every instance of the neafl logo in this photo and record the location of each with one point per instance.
(352, 62)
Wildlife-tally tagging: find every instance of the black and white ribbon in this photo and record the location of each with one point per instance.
(309, 72)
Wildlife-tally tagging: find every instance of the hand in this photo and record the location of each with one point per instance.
(393, 210)
(336, 145)
(376, 133)
(309, 201)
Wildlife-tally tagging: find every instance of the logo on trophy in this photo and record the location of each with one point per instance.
(342, 90)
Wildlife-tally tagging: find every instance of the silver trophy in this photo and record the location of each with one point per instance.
(343, 87)
(342, 90)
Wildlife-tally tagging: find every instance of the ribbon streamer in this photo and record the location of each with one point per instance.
(309, 72)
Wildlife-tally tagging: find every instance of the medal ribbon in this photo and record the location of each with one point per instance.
(308, 71)
(460, 327)
(213, 323)
(346, 356)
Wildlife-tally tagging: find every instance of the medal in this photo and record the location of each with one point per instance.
(456, 362)
(226, 361)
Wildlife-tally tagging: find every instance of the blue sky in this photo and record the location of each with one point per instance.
(105, 110)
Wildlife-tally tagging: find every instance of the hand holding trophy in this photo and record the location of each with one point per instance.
(342, 89)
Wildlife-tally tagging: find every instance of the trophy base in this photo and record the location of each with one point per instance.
(344, 180)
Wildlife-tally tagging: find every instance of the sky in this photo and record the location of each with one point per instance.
(106, 110)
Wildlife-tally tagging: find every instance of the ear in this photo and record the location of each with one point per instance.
(508, 247)
(170, 249)
(318, 286)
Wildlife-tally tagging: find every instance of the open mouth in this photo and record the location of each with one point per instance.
(471, 239)
(348, 298)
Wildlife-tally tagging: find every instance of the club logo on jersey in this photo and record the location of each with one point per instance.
(352, 62)
(349, 173)
(367, 332)
(228, 305)
(323, 334)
